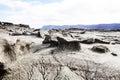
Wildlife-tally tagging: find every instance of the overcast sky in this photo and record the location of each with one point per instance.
(37, 13)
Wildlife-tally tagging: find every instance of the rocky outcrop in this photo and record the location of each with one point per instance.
(83, 32)
(88, 41)
(15, 29)
(15, 34)
(94, 40)
(7, 24)
(68, 44)
(102, 41)
(50, 40)
(24, 25)
(100, 49)
(47, 39)
(63, 43)
(42, 33)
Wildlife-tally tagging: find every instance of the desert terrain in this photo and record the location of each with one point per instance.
(69, 54)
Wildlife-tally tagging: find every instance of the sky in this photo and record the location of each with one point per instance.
(37, 13)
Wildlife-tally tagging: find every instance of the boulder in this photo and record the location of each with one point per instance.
(63, 43)
(114, 54)
(26, 33)
(68, 44)
(15, 34)
(92, 40)
(83, 32)
(47, 39)
(50, 40)
(88, 41)
(100, 49)
(102, 41)
(36, 30)
(116, 41)
(34, 33)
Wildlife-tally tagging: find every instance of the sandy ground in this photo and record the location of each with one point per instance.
(105, 59)
(85, 53)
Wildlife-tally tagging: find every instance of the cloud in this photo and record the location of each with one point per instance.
(63, 12)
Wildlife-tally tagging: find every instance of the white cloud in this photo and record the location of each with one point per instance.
(65, 12)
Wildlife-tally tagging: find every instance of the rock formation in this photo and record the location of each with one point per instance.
(100, 48)
(68, 44)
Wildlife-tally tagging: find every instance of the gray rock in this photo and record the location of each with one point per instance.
(49, 40)
(24, 25)
(114, 54)
(88, 41)
(15, 34)
(26, 33)
(68, 44)
(92, 40)
(83, 32)
(63, 43)
(102, 41)
(100, 49)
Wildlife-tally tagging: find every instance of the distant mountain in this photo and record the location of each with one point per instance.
(114, 26)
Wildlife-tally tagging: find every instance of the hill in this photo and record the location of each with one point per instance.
(114, 26)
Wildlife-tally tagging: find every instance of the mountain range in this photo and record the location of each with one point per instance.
(113, 26)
